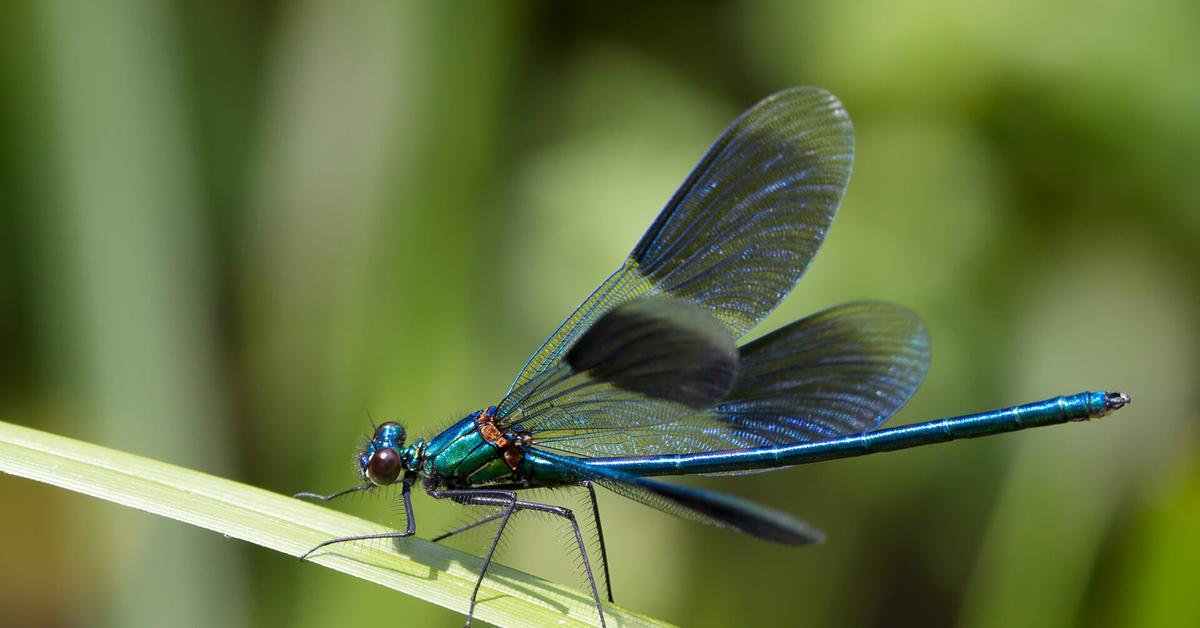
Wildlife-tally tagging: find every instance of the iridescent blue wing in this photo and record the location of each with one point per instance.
(693, 503)
(841, 371)
(744, 225)
(647, 361)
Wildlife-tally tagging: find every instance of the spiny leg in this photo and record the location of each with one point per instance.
(470, 526)
(595, 517)
(587, 567)
(482, 520)
(600, 534)
(482, 497)
(325, 498)
(359, 537)
(508, 500)
(411, 527)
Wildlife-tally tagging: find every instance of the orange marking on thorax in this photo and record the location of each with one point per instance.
(490, 433)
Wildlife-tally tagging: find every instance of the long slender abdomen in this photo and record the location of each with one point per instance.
(1079, 407)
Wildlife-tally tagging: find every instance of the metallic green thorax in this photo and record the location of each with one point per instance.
(461, 456)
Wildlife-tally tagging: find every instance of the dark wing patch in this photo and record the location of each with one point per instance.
(661, 347)
(649, 361)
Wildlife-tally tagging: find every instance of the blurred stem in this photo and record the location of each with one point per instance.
(136, 344)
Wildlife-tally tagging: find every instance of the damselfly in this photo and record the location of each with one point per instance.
(645, 378)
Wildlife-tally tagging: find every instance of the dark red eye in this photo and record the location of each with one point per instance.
(384, 466)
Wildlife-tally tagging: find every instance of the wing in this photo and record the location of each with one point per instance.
(841, 371)
(694, 504)
(647, 361)
(744, 225)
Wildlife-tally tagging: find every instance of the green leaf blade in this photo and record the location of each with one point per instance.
(435, 573)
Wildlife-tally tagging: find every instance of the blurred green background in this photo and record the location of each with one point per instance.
(229, 230)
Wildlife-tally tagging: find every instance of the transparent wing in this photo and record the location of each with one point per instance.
(693, 503)
(841, 371)
(744, 225)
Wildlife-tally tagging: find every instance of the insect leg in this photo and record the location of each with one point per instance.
(469, 526)
(508, 500)
(600, 534)
(411, 527)
(325, 498)
(505, 499)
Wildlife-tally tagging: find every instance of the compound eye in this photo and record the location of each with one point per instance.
(384, 466)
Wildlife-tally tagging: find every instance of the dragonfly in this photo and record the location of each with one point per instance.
(645, 378)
